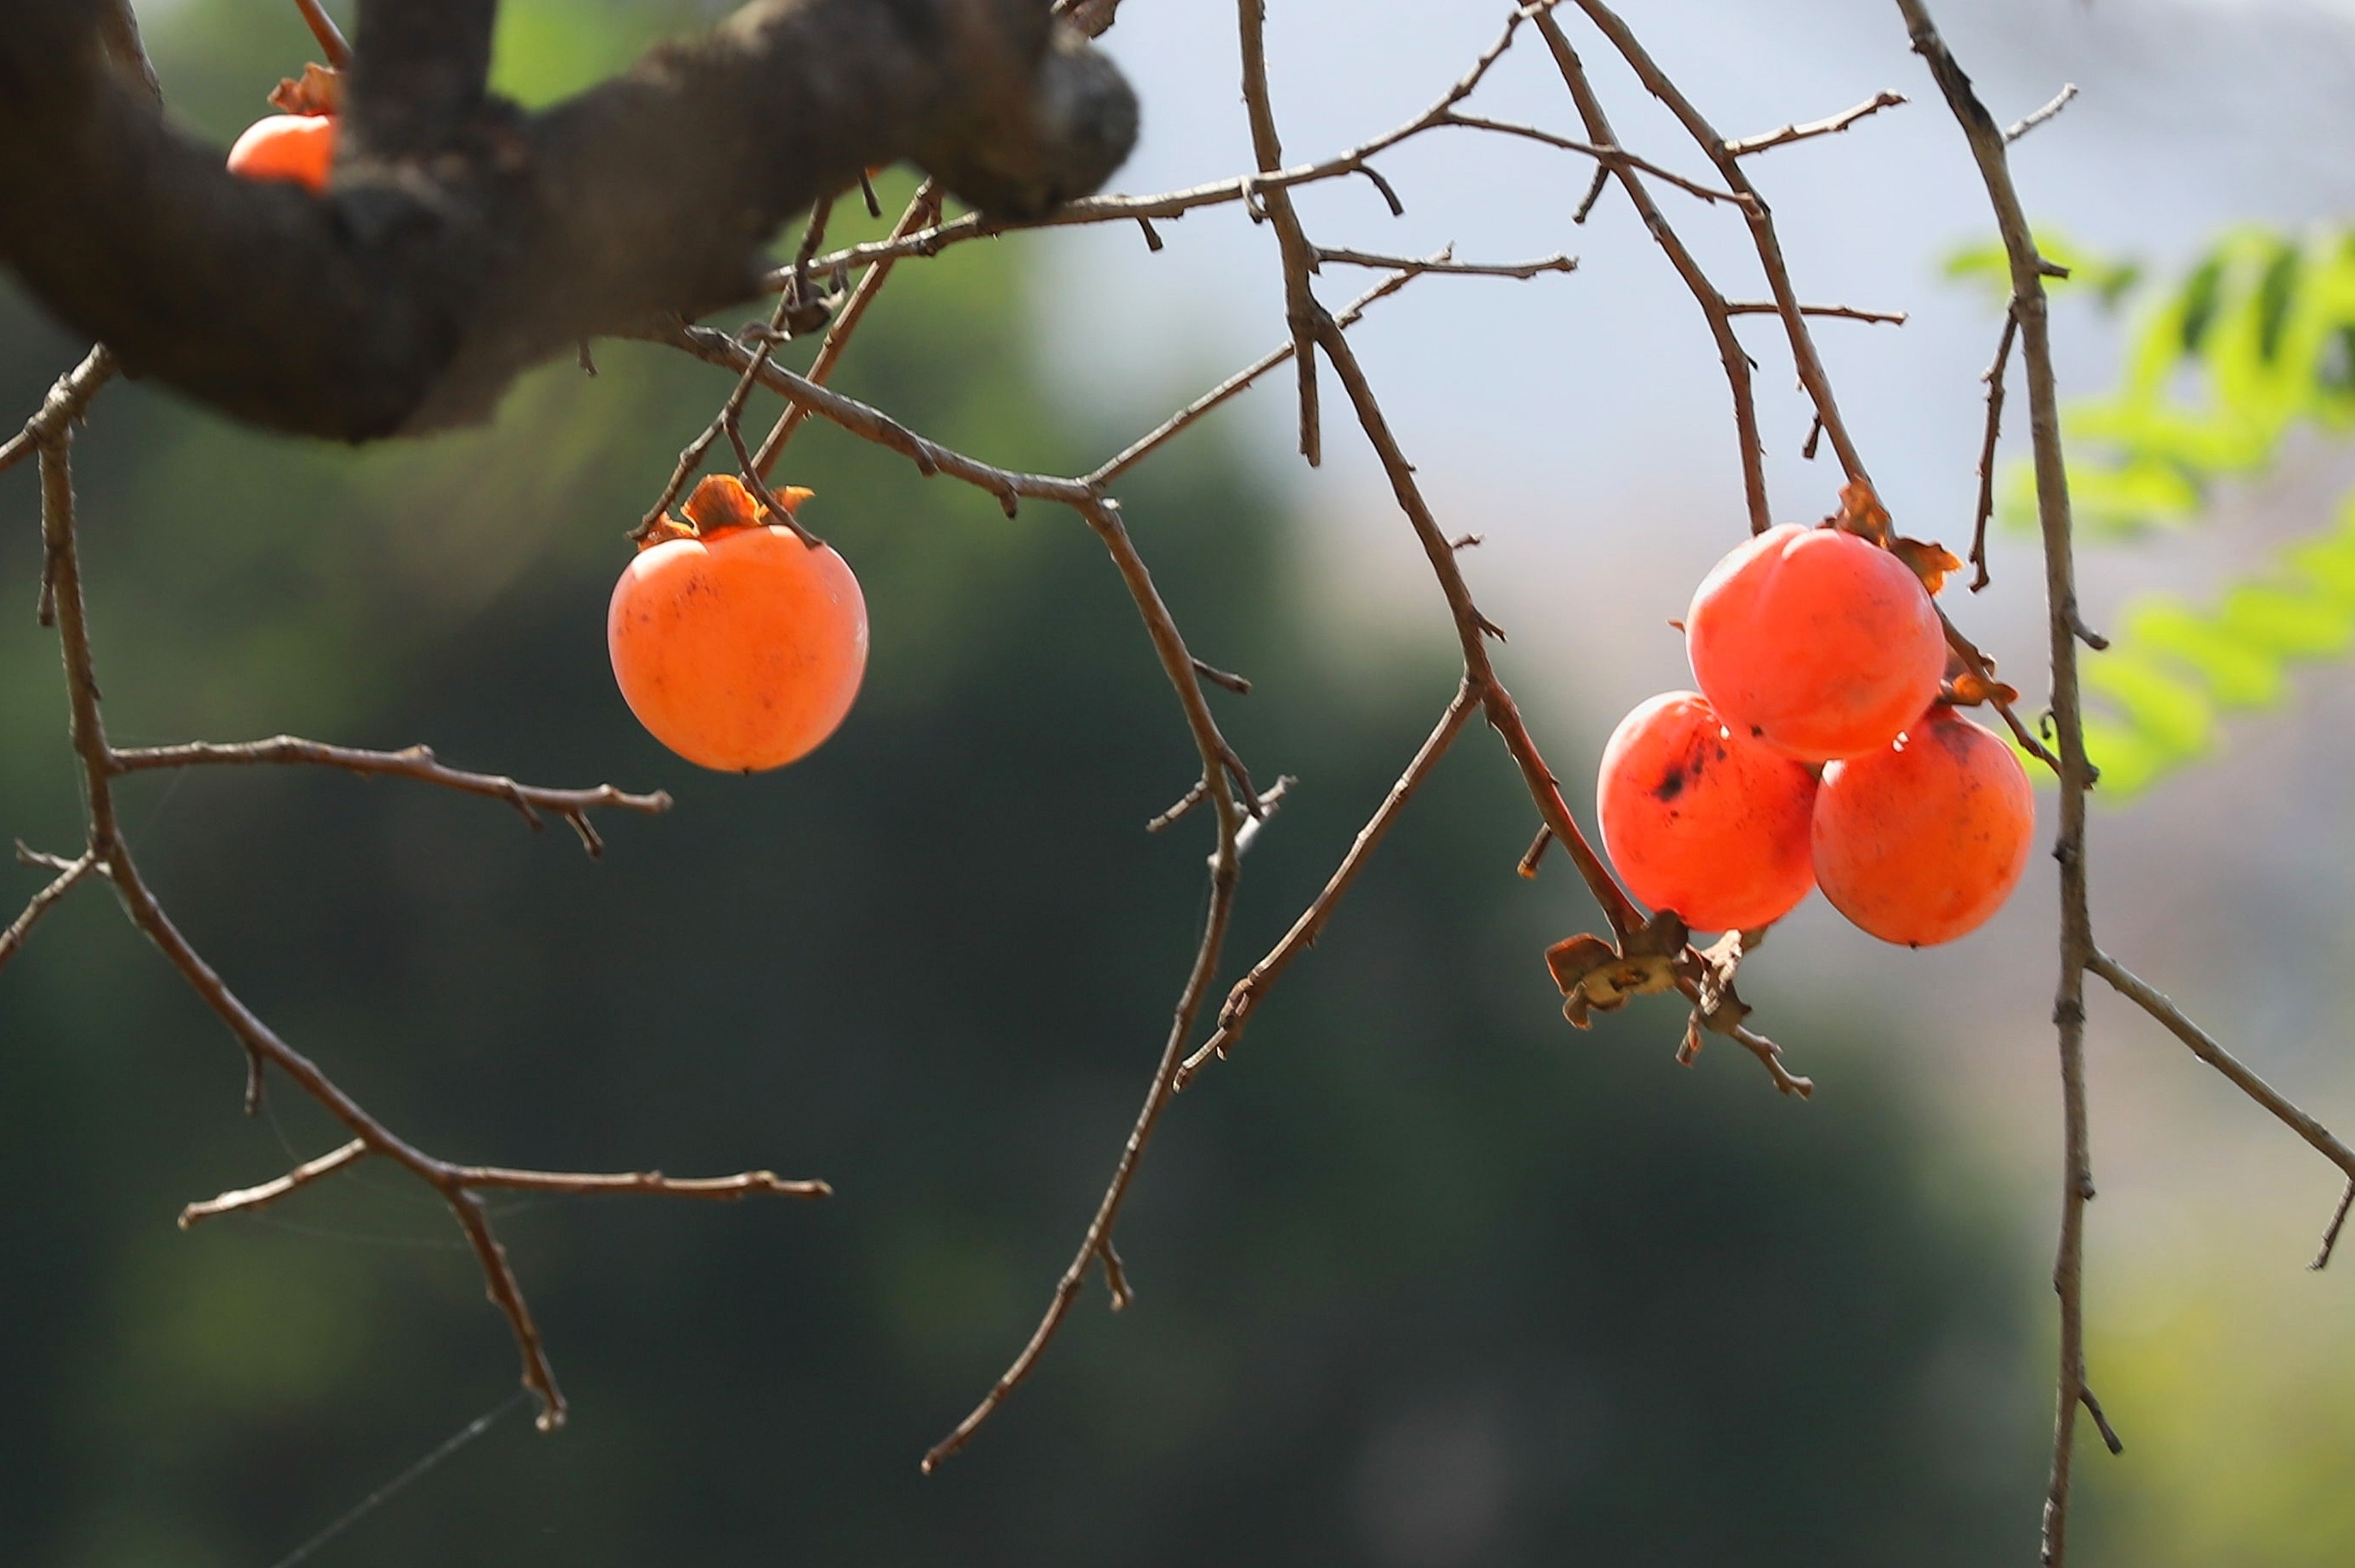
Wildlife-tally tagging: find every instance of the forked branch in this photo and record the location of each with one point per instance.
(107, 854)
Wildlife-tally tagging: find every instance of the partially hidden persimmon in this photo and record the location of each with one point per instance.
(297, 147)
(1703, 820)
(1815, 642)
(1922, 840)
(738, 644)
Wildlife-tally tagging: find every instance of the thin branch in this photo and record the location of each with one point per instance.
(1152, 440)
(1226, 679)
(1754, 211)
(109, 854)
(1610, 155)
(2077, 951)
(410, 762)
(872, 424)
(1843, 312)
(1837, 123)
(1976, 663)
(330, 37)
(2060, 102)
(1986, 510)
(1729, 352)
(73, 871)
(1472, 630)
(67, 400)
(691, 457)
(246, 1199)
(1252, 189)
(1235, 1015)
(1196, 794)
(1594, 187)
(1299, 259)
(1226, 868)
(642, 1183)
(2204, 1046)
(922, 208)
(1523, 271)
(2110, 1439)
(2330, 1234)
(1770, 1057)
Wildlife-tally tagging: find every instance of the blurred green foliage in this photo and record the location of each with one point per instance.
(1424, 1278)
(2256, 339)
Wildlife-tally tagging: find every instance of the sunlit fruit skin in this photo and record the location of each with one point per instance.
(1922, 841)
(1702, 820)
(742, 651)
(1815, 642)
(297, 147)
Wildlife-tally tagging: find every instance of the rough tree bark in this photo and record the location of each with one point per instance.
(463, 239)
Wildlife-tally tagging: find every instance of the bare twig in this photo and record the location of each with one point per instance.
(2331, 1232)
(2077, 951)
(1096, 1245)
(1843, 312)
(1227, 680)
(1976, 663)
(1527, 867)
(322, 28)
(691, 457)
(2204, 1046)
(2060, 102)
(1994, 379)
(1153, 440)
(1196, 794)
(1610, 155)
(1471, 632)
(1729, 352)
(1299, 259)
(921, 210)
(870, 424)
(1557, 262)
(409, 762)
(1252, 190)
(1754, 211)
(2102, 1422)
(101, 764)
(1235, 1015)
(1837, 123)
(65, 403)
(1594, 187)
(69, 873)
(248, 1199)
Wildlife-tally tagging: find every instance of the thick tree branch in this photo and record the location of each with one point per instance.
(411, 295)
(420, 78)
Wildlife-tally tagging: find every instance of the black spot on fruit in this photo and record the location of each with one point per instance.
(1671, 784)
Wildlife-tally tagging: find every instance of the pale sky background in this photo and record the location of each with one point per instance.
(1581, 424)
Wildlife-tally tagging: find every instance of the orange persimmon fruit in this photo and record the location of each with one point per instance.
(1922, 841)
(1815, 642)
(297, 147)
(1703, 820)
(737, 645)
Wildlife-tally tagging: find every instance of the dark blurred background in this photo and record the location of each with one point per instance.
(1424, 1277)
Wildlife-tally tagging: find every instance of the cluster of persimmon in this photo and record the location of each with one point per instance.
(737, 639)
(1819, 752)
